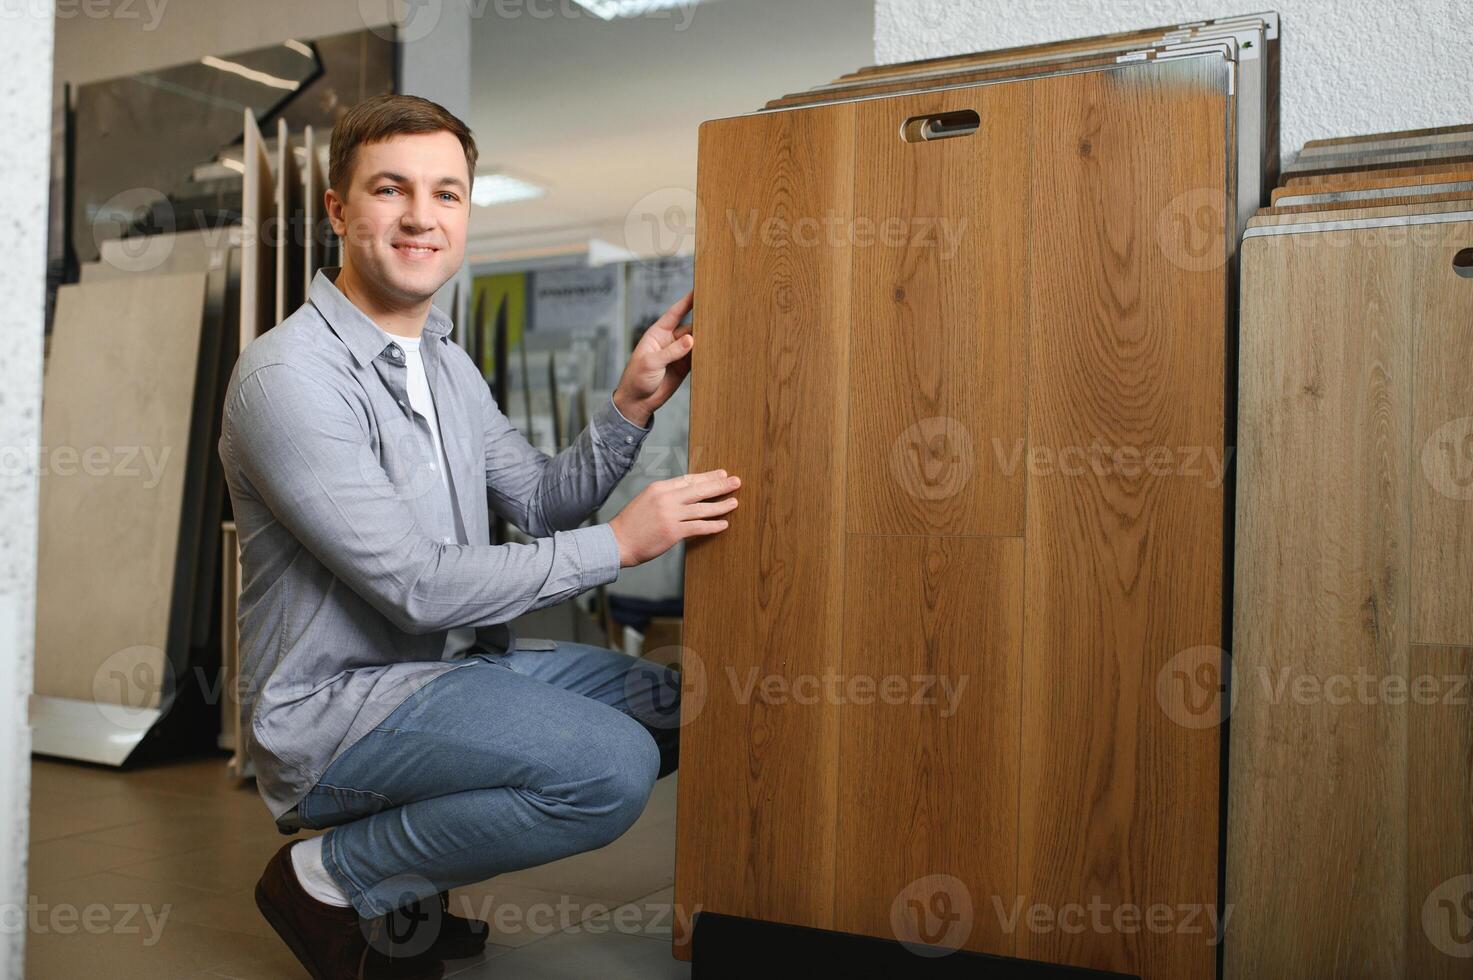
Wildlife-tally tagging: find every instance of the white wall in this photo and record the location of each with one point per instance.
(1349, 66)
(25, 118)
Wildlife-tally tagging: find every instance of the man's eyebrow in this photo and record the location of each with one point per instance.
(399, 178)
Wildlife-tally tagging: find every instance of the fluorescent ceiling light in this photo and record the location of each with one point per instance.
(609, 9)
(492, 189)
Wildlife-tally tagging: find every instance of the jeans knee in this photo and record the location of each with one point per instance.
(633, 762)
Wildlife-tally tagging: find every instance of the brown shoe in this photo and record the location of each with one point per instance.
(332, 943)
(455, 937)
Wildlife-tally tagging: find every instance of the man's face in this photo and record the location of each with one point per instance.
(403, 222)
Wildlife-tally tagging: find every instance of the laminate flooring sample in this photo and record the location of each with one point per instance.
(258, 243)
(118, 410)
(291, 229)
(915, 354)
(1349, 797)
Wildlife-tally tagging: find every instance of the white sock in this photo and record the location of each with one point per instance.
(307, 862)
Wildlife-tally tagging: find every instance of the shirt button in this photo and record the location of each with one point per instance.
(628, 439)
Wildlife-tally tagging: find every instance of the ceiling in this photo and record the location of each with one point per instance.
(604, 114)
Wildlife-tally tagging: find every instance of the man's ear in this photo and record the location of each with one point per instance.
(334, 204)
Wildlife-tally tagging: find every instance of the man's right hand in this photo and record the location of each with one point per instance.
(672, 510)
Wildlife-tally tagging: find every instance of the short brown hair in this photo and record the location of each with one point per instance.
(384, 117)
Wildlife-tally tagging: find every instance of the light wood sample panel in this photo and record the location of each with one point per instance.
(1350, 794)
(120, 395)
(881, 401)
(258, 253)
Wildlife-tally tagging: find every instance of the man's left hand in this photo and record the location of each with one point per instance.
(660, 362)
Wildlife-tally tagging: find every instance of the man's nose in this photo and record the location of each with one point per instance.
(419, 215)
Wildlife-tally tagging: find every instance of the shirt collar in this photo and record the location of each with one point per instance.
(364, 340)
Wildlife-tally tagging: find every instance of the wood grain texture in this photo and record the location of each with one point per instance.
(1318, 784)
(937, 361)
(1389, 162)
(1119, 802)
(1440, 815)
(258, 254)
(1401, 144)
(1442, 441)
(1393, 200)
(1363, 177)
(931, 788)
(1348, 141)
(1382, 185)
(765, 598)
(1350, 212)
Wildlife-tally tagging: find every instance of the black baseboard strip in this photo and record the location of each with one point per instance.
(729, 947)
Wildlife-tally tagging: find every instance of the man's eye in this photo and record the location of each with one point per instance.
(388, 190)
(447, 195)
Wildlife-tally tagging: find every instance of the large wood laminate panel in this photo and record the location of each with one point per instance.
(1440, 815)
(1318, 785)
(929, 770)
(939, 340)
(765, 598)
(118, 414)
(1442, 441)
(1119, 801)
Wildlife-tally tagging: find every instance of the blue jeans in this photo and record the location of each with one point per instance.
(511, 761)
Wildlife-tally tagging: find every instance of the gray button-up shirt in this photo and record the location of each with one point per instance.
(352, 571)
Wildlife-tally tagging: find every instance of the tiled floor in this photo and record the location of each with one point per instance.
(149, 874)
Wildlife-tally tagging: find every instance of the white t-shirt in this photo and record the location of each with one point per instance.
(421, 401)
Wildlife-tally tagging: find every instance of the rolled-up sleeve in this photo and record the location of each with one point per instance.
(542, 494)
(307, 454)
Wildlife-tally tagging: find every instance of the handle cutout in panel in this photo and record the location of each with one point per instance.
(1463, 263)
(945, 125)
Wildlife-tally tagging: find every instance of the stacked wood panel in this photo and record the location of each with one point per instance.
(1351, 792)
(899, 406)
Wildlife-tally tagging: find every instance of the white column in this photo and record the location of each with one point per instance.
(26, 32)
